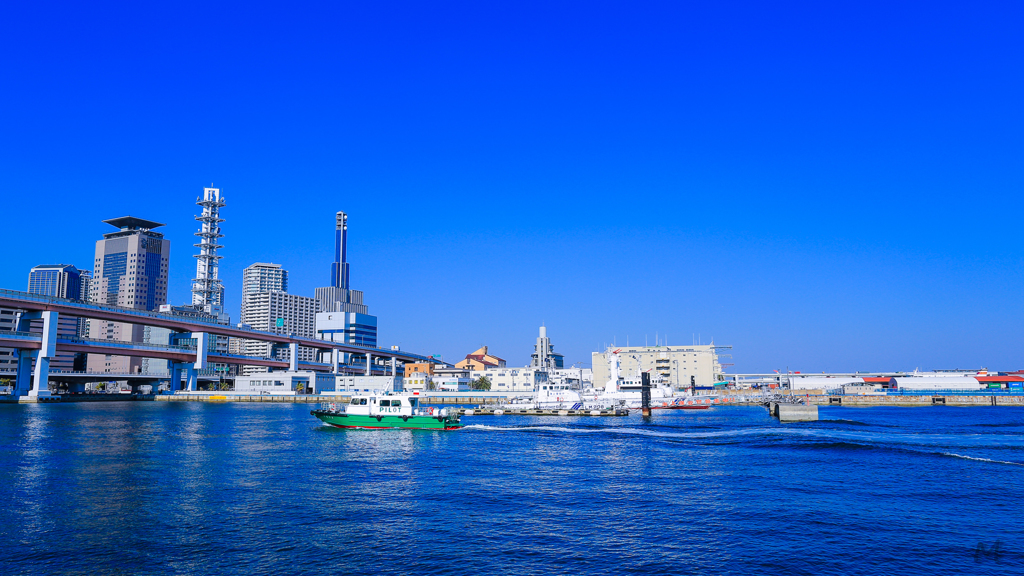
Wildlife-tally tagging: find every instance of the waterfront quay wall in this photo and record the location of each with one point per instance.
(908, 400)
(475, 398)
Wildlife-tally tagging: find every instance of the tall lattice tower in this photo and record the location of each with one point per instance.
(206, 287)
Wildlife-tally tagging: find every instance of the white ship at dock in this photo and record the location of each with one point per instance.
(627, 392)
(619, 392)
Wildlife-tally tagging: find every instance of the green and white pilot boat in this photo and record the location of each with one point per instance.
(387, 410)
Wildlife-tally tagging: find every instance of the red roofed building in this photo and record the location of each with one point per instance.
(480, 360)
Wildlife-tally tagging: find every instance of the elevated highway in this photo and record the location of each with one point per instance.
(37, 349)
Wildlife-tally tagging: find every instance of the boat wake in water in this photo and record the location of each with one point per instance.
(823, 436)
(982, 459)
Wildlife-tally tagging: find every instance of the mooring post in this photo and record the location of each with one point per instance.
(645, 394)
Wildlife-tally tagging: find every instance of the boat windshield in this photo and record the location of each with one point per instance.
(396, 402)
(385, 402)
(355, 401)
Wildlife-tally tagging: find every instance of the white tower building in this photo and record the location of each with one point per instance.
(207, 290)
(544, 355)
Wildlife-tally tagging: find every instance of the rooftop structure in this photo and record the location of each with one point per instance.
(132, 223)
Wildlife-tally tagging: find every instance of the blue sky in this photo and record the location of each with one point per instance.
(824, 186)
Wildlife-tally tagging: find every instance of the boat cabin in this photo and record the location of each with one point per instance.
(384, 405)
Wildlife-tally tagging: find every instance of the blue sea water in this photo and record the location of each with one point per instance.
(192, 488)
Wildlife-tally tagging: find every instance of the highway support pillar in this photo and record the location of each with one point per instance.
(191, 378)
(23, 381)
(334, 360)
(202, 349)
(393, 360)
(369, 362)
(293, 362)
(35, 382)
(175, 383)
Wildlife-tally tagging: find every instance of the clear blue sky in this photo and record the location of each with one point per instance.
(823, 185)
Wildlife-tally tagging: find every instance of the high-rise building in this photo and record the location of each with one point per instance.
(59, 281)
(259, 278)
(207, 290)
(279, 313)
(267, 306)
(342, 316)
(85, 278)
(130, 270)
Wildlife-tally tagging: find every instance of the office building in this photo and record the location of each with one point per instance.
(674, 365)
(347, 327)
(130, 270)
(59, 281)
(85, 281)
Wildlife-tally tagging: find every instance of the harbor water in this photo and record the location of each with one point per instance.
(249, 488)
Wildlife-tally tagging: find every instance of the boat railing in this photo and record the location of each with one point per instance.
(337, 407)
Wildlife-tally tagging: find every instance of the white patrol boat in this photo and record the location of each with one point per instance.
(386, 410)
